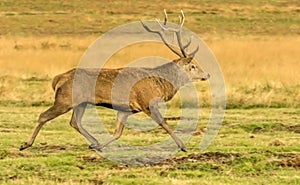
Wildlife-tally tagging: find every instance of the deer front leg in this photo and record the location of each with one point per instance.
(121, 119)
(78, 112)
(154, 113)
(166, 127)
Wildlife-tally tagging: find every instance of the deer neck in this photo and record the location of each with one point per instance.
(173, 73)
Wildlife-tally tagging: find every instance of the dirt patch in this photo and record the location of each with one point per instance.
(283, 159)
(177, 118)
(172, 118)
(5, 131)
(199, 131)
(276, 143)
(89, 159)
(287, 162)
(291, 162)
(294, 128)
(195, 157)
(46, 147)
(290, 128)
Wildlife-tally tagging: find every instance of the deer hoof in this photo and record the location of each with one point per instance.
(184, 149)
(95, 147)
(24, 146)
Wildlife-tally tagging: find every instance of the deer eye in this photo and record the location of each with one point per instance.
(193, 67)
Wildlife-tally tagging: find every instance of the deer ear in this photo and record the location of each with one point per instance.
(183, 61)
(186, 61)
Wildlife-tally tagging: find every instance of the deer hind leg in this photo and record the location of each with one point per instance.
(154, 113)
(53, 112)
(121, 119)
(78, 112)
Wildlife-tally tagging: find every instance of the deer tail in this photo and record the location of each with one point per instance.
(55, 82)
(60, 79)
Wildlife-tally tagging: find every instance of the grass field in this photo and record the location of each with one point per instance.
(254, 146)
(255, 42)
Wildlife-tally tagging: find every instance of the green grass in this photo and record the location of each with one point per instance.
(259, 17)
(243, 152)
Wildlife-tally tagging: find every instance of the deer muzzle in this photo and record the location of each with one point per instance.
(205, 76)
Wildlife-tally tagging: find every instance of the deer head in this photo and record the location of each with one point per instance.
(185, 61)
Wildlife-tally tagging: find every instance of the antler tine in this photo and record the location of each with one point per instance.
(188, 43)
(162, 36)
(192, 55)
(166, 29)
(182, 18)
(166, 17)
(178, 34)
(179, 21)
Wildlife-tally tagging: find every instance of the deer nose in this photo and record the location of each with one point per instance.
(205, 76)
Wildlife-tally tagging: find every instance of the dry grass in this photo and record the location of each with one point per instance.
(258, 71)
(246, 61)
(40, 56)
(243, 60)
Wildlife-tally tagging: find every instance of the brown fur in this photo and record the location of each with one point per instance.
(144, 87)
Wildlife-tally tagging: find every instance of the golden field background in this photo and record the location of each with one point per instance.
(243, 60)
(257, 70)
(255, 42)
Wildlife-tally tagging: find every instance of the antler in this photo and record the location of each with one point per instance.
(162, 36)
(177, 32)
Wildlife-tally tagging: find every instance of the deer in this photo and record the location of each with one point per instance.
(153, 84)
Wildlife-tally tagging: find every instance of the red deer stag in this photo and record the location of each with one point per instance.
(161, 82)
